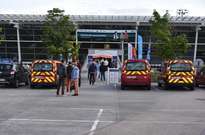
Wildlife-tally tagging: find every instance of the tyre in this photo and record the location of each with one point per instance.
(191, 87)
(159, 84)
(149, 87)
(15, 84)
(166, 86)
(122, 87)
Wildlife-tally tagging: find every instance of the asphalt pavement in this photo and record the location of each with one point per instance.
(102, 109)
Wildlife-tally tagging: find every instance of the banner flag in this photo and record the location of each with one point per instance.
(140, 51)
(129, 51)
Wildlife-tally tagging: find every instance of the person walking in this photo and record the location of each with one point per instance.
(92, 73)
(69, 70)
(75, 78)
(61, 75)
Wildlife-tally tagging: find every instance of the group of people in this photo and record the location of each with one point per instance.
(70, 74)
(97, 70)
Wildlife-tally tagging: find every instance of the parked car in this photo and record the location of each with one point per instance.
(200, 77)
(136, 73)
(177, 72)
(13, 74)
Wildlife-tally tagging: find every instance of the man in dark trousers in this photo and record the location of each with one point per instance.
(69, 70)
(92, 73)
(61, 73)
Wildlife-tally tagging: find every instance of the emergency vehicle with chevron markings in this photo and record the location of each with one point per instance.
(136, 73)
(44, 72)
(177, 73)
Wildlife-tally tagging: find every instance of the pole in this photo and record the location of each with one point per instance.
(122, 42)
(76, 36)
(136, 38)
(195, 45)
(18, 43)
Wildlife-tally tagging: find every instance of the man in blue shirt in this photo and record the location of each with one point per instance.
(75, 78)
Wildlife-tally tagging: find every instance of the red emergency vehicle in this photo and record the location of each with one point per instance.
(136, 73)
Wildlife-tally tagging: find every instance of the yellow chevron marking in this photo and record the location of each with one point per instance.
(183, 73)
(176, 80)
(128, 72)
(45, 80)
(43, 73)
(138, 72)
(52, 78)
(38, 73)
(143, 73)
(48, 79)
(133, 73)
(39, 80)
(178, 73)
(185, 80)
(170, 81)
(47, 73)
(180, 81)
(190, 80)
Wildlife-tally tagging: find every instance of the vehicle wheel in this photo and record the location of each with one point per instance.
(149, 87)
(122, 87)
(159, 84)
(166, 86)
(16, 84)
(32, 86)
(191, 87)
(196, 85)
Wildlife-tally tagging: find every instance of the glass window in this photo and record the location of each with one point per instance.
(180, 67)
(136, 66)
(42, 67)
(5, 67)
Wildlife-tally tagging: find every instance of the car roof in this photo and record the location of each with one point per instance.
(137, 60)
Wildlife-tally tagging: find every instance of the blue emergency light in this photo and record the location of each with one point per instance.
(6, 61)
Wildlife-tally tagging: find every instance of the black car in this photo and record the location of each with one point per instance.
(13, 75)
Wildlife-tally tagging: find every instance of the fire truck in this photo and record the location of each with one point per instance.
(177, 73)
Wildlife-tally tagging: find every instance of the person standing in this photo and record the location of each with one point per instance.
(75, 78)
(69, 70)
(92, 73)
(98, 70)
(102, 71)
(61, 75)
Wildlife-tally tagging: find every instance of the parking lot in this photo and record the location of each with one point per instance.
(102, 110)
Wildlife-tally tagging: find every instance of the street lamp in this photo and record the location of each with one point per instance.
(16, 25)
(198, 27)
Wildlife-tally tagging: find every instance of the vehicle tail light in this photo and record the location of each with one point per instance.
(12, 72)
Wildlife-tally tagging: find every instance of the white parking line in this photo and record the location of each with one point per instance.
(50, 120)
(94, 126)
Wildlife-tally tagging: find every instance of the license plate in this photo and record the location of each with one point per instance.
(39, 77)
(2, 80)
(176, 77)
(131, 77)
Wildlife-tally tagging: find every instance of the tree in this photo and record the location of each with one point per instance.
(1, 36)
(58, 33)
(167, 46)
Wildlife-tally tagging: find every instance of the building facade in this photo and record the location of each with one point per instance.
(100, 32)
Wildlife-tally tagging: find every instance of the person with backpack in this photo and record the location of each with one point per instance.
(61, 75)
(75, 78)
(69, 71)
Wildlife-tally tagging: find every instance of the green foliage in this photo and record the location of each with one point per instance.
(167, 46)
(58, 33)
(1, 36)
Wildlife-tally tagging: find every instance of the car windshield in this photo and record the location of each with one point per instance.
(42, 67)
(5, 67)
(180, 67)
(135, 66)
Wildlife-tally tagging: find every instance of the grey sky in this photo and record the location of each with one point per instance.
(102, 7)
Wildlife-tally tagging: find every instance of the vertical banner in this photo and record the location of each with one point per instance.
(149, 50)
(140, 47)
(129, 51)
